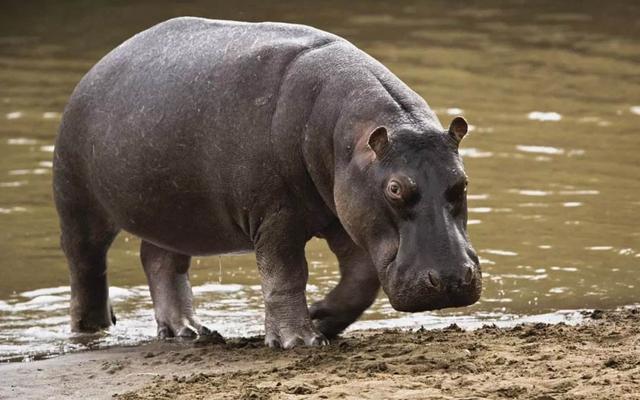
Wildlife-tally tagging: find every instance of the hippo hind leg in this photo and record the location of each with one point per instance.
(356, 291)
(86, 235)
(168, 277)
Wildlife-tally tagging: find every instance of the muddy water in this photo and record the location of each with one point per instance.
(552, 90)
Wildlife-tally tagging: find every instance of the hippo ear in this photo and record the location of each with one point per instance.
(458, 128)
(379, 141)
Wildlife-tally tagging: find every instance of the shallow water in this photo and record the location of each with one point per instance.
(552, 90)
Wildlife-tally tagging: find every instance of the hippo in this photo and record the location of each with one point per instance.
(205, 137)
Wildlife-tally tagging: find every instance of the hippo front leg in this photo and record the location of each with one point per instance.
(283, 269)
(356, 291)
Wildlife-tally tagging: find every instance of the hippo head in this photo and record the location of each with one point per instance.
(403, 197)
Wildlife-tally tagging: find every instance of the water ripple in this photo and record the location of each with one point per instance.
(540, 149)
(544, 116)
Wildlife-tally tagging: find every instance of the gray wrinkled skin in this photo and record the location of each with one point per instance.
(208, 137)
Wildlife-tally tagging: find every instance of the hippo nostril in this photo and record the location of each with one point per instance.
(468, 275)
(433, 279)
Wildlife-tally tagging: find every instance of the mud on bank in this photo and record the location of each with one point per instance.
(599, 359)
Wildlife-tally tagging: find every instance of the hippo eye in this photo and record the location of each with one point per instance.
(401, 191)
(458, 192)
(456, 195)
(394, 190)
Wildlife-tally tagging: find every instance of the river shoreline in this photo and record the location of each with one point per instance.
(597, 359)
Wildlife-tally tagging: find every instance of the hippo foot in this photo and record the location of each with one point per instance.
(93, 321)
(329, 321)
(188, 330)
(288, 339)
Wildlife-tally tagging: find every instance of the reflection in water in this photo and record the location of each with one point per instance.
(550, 89)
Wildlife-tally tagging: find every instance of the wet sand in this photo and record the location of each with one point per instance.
(598, 359)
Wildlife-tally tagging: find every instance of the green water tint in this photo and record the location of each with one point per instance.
(552, 90)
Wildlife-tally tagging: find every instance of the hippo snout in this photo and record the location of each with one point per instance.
(432, 289)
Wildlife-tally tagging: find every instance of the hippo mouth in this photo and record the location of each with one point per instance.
(388, 265)
(389, 272)
(437, 301)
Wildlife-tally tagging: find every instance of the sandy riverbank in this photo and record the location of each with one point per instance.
(599, 359)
